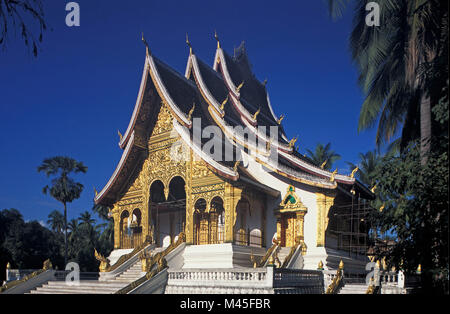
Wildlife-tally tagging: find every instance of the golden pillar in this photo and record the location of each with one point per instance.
(324, 203)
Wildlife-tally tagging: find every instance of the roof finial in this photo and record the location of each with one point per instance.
(191, 112)
(189, 44)
(120, 135)
(235, 168)
(265, 82)
(217, 38)
(292, 142)
(373, 188)
(354, 171)
(95, 191)
(238, 89)
(280, 119)
(324, 163)
(146, 44)
(222, 106)
(333, 175)
(256, 113)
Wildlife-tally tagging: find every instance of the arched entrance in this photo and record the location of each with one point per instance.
(209, 226)
(131, 229)
(168, 210)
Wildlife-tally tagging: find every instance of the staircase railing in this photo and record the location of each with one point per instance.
(46, 266)
(104, 262)
(289, 256)
(266, 256)
(336, 284)
(157, 260)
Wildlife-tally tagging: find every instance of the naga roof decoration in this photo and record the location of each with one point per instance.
(227, 95)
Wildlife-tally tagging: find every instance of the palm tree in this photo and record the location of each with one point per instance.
(56, 221)
(323, 156)
(63, 189)
(402, 66)
(367, 165)
(86, 219)
(73, 225)
(19, 14)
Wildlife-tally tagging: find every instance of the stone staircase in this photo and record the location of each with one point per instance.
(93, 286)
(283, 253)
(354, 288)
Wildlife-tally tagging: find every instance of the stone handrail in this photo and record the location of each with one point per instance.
(266, 256)
(126, 257)
(337, 280)
(290, 255)
(47, 265)
(246, 277)
(157, 260)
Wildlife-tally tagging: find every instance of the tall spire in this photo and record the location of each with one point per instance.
(217, 38)
(146, 44)
(189, 44)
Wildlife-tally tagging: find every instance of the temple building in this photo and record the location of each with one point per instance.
(206, 155)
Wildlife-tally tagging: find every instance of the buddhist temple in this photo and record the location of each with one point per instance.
(205, 155)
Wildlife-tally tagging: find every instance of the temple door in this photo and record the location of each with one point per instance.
(288, 228)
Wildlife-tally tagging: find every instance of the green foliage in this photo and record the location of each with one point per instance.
(416, 207)
(323, 154)
(16, 16)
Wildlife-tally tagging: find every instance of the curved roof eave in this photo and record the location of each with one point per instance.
(100, 196)
(217, 167)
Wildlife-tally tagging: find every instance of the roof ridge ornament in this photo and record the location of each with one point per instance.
(323, 164)
(352, 175)
(373, 188)
(222, 106)
(238, 89)
(333, 175)
(264, 83)
(237, 163)
(217, 38)
(95, 191)
(191, 112)
(120, 135)
(146, 44)
(293, 141)
(256, 113)
(189, 44)
(280, 119)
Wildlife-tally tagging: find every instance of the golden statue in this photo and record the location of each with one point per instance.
(256, 113)
(104, 262)
(47, 265)
(353, 172)
(222, 106)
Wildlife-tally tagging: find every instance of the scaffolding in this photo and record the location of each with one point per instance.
(349, 227)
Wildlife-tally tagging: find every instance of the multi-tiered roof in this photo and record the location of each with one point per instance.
(225, 95)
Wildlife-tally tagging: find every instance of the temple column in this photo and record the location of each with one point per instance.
(116, 218)
(324, 203)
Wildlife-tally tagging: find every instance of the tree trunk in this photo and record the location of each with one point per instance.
(425, 127)
(65, 235)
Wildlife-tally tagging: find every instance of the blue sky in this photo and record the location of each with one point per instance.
(82, 88)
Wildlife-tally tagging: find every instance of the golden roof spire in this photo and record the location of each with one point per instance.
(146, 44)
(217, 38)
(189, 44)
